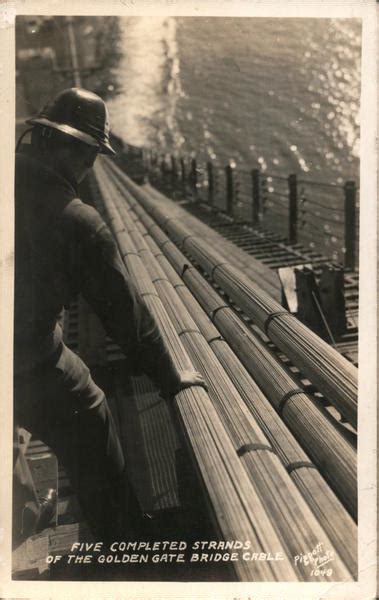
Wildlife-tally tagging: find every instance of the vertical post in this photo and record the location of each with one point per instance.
(350, 190)
(229, 189)
(193, 176)
(145, 159)
(210, 182)
(174, 169)
(256, 189)
(149, 164)
(292, 209)
(182, 169)
(183, 174)
(163, 165)
(151, 161)
(73, 52)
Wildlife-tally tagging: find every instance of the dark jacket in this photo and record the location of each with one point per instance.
(63, 248)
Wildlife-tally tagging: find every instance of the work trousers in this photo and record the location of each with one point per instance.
(60, 404)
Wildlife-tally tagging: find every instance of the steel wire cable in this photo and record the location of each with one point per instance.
(340, 459)
(232, 412)
(317, 359)
(324, 504)
(350, 481)
(238, 510)
(300, 480)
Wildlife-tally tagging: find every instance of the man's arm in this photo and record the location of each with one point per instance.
(106, 285)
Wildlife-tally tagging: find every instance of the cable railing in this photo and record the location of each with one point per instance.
(321, 216)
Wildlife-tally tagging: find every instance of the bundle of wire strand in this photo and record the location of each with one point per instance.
(333, 375)
(295, 523)
(237, 510)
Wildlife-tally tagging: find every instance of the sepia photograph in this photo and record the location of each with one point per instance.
(189, 229)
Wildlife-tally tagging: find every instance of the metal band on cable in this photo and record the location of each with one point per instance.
(299, 464)
(185, 268)
(217, 338)
(187, 237)
(251, 447)
(168, 220)
(215, 311)
(149, 294)
(130, 254)
(271, 317)
(287, 396)
(188, 331)
(216, 267)
(151, 226)
(166, 242)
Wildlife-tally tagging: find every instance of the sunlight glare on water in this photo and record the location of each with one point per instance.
(283, 93)
(149, 71)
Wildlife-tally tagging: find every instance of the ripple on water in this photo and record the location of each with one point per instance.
(246, 85)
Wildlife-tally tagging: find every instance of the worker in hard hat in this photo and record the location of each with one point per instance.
(63, 247)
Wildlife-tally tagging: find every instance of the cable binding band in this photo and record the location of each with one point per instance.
(287, 396)
(253, 446)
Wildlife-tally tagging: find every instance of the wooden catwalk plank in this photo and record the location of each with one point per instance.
(149, 441)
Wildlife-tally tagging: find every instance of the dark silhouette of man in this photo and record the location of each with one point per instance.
(63, 248)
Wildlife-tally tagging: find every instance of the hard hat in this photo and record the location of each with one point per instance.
(79, 113)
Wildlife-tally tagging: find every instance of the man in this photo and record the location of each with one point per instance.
(62, 248)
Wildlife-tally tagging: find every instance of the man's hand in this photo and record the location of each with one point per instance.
(190, 378)
(184, 379)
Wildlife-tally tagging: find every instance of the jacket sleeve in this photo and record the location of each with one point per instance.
(106, 286)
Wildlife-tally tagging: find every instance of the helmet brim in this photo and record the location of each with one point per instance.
(105, 147)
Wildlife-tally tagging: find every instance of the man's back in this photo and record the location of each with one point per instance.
(63, 247)
(50, 224)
